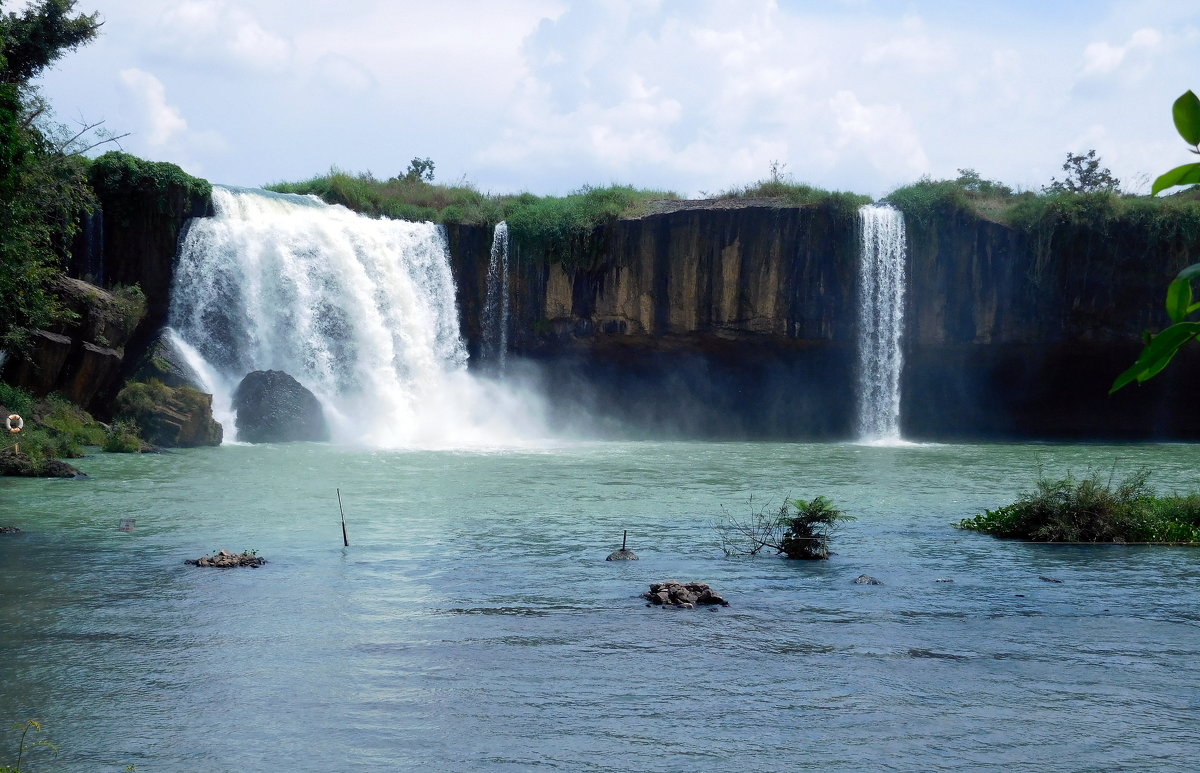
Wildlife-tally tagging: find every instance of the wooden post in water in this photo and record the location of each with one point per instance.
(345, 539)
(624, 536)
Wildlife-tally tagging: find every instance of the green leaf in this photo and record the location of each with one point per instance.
(1189, 273)
(1179, 299)
(1188, 174)
(1186, 112)
(1157, 354)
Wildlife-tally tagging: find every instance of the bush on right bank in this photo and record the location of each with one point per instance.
(1094, 508)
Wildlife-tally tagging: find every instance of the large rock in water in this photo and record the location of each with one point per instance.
(273, 407)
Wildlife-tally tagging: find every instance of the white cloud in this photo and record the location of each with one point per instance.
(163, 121)
(216, 32)
(692, 95)
(1103, 58)
(884, 134)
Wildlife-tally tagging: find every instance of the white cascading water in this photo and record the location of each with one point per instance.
(360, 311)
(881, 321)
(495, 312)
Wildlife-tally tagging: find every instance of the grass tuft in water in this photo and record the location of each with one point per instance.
(1094, 509)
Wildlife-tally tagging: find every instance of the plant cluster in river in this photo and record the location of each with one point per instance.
(1094, 508)
(797, 529)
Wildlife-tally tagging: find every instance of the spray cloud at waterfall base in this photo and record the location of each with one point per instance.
(362, 312)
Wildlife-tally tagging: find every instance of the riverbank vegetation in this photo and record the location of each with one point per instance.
(43, 175)
(1094, 508)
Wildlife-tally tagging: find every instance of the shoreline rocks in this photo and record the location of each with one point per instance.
(22, 465)
(223, 559)
(683, 595)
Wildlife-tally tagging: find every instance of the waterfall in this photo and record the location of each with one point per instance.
(360, 311)
(881, 322)
(495, 312)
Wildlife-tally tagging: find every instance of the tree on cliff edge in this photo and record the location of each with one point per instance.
(42, 189)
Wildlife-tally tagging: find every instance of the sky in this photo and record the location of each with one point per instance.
(691, 96)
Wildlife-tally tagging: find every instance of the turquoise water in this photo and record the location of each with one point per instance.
(473, 623)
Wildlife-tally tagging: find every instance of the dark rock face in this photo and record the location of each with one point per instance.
(742, 323)
(81, 359)
(273, 407)
(683, 595)
(142, 228)
(1012, 335)
(162, 360)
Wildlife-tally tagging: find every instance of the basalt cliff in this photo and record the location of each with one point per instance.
(740, 320)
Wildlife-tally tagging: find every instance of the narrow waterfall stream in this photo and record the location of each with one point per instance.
(881, 323)
(360, 311)
(495, 313)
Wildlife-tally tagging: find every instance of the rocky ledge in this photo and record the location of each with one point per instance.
(223, 559)
(24, 466)
(683, 595)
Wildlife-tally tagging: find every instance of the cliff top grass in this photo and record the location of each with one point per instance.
(1165, 218)
(557, 227)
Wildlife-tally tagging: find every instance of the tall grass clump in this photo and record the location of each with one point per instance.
(1093, 508)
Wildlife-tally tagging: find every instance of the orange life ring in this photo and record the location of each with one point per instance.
(14, 417)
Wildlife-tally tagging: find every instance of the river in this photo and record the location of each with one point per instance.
(473, 623)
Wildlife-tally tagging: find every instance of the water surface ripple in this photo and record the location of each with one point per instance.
(474, 625)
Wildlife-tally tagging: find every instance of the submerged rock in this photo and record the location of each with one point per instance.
(624, 554)
(683, 595)
(223, 559)
(9, 530)
(866, 579)
(273, 407)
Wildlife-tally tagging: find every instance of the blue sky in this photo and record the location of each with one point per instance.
(696, 96)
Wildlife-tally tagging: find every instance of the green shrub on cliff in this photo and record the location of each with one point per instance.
(1093, 509)
(166, 416)
(120, 177)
